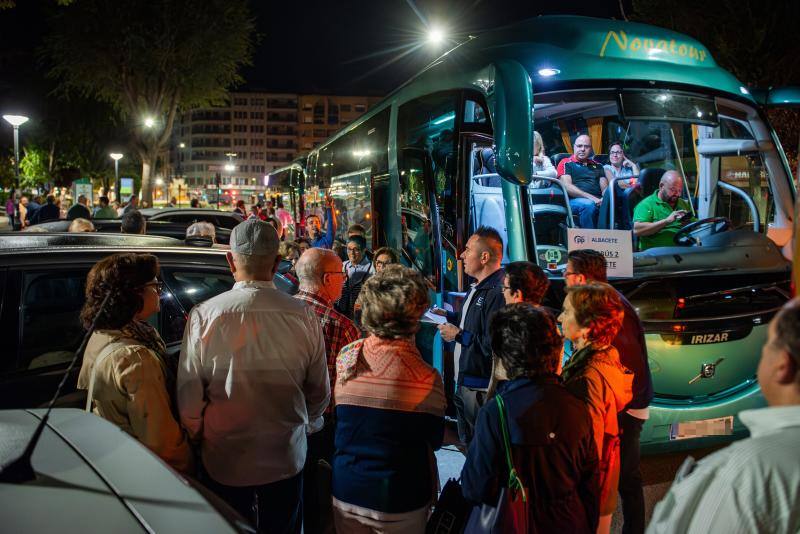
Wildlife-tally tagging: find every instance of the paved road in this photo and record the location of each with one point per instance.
(657, 473)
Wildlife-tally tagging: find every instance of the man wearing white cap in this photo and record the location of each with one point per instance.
(252, 381)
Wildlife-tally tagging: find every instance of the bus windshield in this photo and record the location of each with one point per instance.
(721, 147)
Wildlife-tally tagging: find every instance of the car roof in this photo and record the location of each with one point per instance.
(38, 240)
(94, 477)
(189, 211)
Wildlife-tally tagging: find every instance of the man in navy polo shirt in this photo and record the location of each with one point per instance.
(585, 181)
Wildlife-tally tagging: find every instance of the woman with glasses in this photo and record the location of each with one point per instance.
(384, 257)
(124, 367)
(627, 174)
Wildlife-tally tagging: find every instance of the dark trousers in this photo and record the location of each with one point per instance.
(317, 507)
(630, 475)
(276, 507)
(468, 402)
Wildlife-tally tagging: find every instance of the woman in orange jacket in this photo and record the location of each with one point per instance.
(591, 318)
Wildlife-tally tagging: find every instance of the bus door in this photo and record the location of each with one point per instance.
(421, 244)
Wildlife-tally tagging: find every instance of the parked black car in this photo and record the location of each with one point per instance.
(175, 230)
(43, 278)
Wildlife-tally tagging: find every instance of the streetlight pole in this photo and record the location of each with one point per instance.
(16, 121)
(181, 146)
(116, 157)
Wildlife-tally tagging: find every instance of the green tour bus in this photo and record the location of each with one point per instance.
(451, 150)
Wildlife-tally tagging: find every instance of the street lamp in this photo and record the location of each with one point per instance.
(16, 121)
(116, 156)
(149, 122)
(436, 35)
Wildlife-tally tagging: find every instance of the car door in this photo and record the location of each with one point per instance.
(40, 318)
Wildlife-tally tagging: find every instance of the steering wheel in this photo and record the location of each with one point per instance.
(689, 234)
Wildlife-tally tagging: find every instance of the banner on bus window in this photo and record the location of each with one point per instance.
(615, 245)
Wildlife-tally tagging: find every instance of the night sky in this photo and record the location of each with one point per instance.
(331, 47)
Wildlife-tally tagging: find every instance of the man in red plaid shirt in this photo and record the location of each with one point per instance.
(321, 281)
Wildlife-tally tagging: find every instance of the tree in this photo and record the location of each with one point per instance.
(148, 59)
(33, 167)
(753, 39)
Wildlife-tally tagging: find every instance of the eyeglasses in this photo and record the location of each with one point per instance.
(159, 286)
(353, 249)
(506, 288)
(382, 263)
(567, 273)
(616, 152)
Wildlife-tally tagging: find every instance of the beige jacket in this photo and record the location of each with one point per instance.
(130, 391)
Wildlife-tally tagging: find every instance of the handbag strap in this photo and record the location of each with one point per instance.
(513, 479)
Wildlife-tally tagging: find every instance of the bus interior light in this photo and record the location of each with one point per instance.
(446, 118)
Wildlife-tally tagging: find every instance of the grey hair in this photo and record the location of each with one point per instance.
(311, 266)
(258, 265)
(201, 229)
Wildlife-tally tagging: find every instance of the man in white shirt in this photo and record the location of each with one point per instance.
(754, 484)
(252, 380)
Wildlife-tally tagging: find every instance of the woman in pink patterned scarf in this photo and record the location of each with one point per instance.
(390, 413)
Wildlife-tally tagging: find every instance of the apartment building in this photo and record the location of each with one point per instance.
(253, 135)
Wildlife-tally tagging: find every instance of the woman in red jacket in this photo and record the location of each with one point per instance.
(591, 318)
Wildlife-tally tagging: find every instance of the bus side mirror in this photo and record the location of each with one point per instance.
(510, 101)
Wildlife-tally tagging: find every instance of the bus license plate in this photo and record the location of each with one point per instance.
(721, 426)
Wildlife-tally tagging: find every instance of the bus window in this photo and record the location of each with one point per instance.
(475, 111)
(418, 243)
(749, 174)
(345, 170)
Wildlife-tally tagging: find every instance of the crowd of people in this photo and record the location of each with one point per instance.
(310, 412)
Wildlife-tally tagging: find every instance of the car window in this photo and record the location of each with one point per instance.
(49, 314)
(183, 218)
(224, 221)
(193, 287)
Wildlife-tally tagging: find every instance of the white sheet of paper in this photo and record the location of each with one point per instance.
(431, 317)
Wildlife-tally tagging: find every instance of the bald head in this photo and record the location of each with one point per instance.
(583, 147)
(314, 263)
(670, 187)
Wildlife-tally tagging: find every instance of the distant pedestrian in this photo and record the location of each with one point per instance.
(321, 282)
(133, 204)
(81, 225)
(49, 212)
(194, 203)
(752, 485)
(172, 202)
(286, 219)
(590, 266)
(469, 328)
(133, 222)
(11, 208)
(591, 318)
(125, 366)
(79, 210)
(389, 413)
(252, 381)
(550, 432)
(240, 208)
(303, 244)
(23, 211)
(104, 211)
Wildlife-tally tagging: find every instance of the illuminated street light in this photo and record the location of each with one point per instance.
(16, 121)
(116, 156)
(436, 35)
(230, 167)
(149, 122)
(159, 181)
(182, 145)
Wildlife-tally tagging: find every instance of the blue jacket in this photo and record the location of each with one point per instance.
(475, 364)
(552, 449)
(326, 241)
(633, 354)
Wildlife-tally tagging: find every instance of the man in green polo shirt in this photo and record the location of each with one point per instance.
(658, 217)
